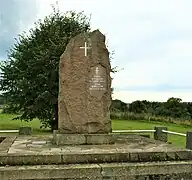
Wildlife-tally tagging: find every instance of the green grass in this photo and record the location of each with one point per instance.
(135, 124)
(7, 123)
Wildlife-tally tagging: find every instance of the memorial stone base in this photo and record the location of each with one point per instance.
(82, 139)
(130, 157)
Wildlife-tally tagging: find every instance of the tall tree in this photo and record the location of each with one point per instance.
(30, 75)
(175, 108)
(138, 107)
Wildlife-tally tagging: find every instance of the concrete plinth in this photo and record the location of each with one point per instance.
(80, 139)
(131, 157)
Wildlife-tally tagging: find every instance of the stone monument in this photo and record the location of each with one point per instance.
(84, 91)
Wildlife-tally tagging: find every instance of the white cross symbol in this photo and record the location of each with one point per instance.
(97, 70)
(86, 48)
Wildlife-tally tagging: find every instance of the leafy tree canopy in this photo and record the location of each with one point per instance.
(29, 77)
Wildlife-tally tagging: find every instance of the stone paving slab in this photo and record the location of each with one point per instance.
(39, 150)
(6, 144)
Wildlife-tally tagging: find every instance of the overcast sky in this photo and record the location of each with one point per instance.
(152, 41)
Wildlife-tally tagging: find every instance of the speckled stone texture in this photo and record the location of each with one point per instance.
(132, 157)
(85, 86)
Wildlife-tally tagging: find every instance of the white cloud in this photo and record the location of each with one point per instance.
(130, 96)
(152, 42)
(181, 47)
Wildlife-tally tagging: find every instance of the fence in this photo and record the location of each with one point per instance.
(161, 134)
(21, 131)
(9, 131)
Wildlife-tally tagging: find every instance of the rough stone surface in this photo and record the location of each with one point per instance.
(113, 171)
(130, 148)
(189, 142)
(80, 139)
(131, 157)
(25, 131)
(50, 172)
(100, 139)
(6, 143)
(159, 135)
(85, 86)
(67, 139)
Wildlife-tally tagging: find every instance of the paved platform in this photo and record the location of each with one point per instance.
(131, 157)
(39, 150)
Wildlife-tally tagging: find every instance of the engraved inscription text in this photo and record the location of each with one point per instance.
(97, 81)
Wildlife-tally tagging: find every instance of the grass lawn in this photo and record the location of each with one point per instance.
(133, 124)
(7, 123)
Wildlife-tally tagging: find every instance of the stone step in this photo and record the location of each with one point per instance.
(107, 171)
(92, 157)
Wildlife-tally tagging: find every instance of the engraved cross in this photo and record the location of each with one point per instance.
(96, 70)
(86, 48)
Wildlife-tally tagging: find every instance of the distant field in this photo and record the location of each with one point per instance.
(7, 123)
